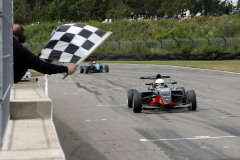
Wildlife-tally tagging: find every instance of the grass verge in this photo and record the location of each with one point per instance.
(223, 65)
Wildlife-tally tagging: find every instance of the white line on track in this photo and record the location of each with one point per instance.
(102, 89)
(88, 120)
(108, 105)
(208, 100)
(226, 147)
(69, 93)
(193, 138)
(205, 69)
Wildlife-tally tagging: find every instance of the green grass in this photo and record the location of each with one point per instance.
(224, 26)
(224, 65)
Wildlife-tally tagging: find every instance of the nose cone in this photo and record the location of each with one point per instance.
(166, 100)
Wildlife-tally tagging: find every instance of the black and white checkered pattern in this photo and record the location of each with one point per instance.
(71, 42)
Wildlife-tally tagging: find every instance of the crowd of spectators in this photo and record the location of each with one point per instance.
(182, 15)
(235, 11)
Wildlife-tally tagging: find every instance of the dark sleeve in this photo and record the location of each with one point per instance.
(34, 62)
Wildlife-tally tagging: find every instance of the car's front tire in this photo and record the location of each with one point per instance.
(86, 70)
(106, 68)
(191, 98)
(81, 69)
(130, 97)
(137, 102)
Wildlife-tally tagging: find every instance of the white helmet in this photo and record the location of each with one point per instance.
(159, 83)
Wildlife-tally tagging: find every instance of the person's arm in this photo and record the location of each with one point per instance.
(34, 62)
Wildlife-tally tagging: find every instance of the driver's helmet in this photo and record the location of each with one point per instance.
(93, 62)
(159, 83)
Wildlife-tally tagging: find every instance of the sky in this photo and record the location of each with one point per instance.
(234, 1)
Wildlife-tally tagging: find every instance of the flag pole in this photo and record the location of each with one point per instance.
(91, 50)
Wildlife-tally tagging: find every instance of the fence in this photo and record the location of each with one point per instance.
(184, 45)
(6, 64)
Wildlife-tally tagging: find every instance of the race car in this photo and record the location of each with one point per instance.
(161, 96)
(94, 67)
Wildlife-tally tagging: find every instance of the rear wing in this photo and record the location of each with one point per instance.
(155, 77)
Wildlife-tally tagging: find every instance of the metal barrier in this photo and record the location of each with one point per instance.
(181, 45)
(194, 45)
(6, 63)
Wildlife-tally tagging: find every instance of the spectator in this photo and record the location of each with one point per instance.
(24, 59)
(175, 16)
(184, 13)
(144, 16)
(235, 11)
(147, 14)
(131, 15)
(135, 18)
(188, 13)
(218, 13)
(180, 15)
(192, 15)
(166, 16)
(226, 9)
(139, 17)
(198, 14)
(130, 19)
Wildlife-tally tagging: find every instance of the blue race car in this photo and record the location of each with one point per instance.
(94, 67)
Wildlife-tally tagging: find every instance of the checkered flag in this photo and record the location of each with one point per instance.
(73, 43)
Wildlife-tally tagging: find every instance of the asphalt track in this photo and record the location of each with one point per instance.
(93, 121)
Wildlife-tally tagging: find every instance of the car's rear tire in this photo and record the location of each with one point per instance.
(184, 100)
(86, 70)
(81, 69)
(130, 97)
(106, 68)
(191, 98)
(137, 102)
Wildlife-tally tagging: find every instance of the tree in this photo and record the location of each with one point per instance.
(84, 9)
(210, 6)
(31, 11)
(21, 11)
(119, 11)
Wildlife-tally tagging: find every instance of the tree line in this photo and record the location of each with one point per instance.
(32, 11)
